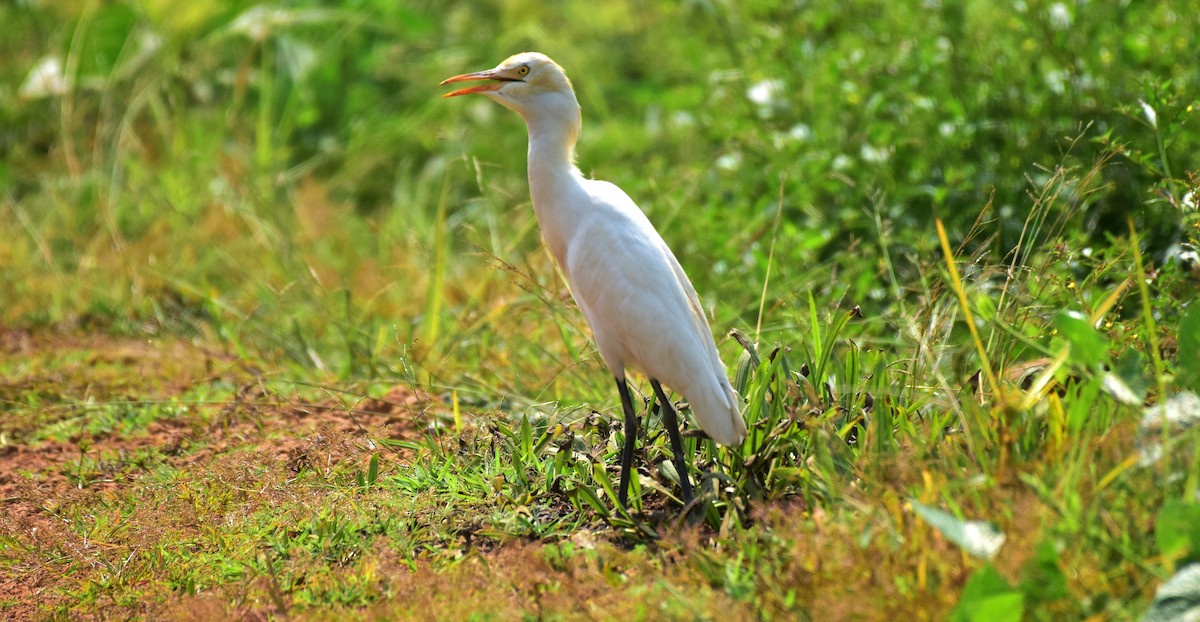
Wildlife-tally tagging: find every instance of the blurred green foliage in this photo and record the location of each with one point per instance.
(915, 110)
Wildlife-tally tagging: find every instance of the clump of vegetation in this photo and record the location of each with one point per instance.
(278, 337)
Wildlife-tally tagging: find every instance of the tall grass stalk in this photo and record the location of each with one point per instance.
(1149, 326)
(957, 285)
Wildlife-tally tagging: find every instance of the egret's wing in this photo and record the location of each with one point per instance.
(643, 310)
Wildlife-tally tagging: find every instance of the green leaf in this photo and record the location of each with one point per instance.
(1187, 366)
(1128, 371)
(373, 470)
(1042, 578)
(600, 476)
(987, 597)
(745, 369)
(106, 33)
(985, 307)
(1177, 529)
(586, 495)
(526, 436)
(1088, 347)
(979, 538)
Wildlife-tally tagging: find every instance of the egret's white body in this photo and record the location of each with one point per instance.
(643, 311)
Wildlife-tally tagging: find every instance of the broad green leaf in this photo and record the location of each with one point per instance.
(1187, 366)
(987, 597)
(1177, 529)
(1042, 578)
(985, 306)
(526, 431)
(1088, 347)
(105, 35)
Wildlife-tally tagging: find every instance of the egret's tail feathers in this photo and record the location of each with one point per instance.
(715, 406)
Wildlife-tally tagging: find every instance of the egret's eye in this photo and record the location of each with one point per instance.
(523, 70)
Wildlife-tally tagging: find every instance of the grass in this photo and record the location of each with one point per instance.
(278, 337)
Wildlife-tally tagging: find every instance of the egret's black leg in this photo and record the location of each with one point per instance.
(671, 423)
(631, 430)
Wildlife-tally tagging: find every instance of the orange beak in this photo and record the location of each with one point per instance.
(490, 74)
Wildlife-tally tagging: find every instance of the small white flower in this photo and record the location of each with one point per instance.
(298, 57)
(800, 132)
(682, 119)
(729, 161)
(46, 79)
(1056, 81)
(873, 154)
(982, 539)
(1060, 16)
(765, 92)
(260, 21)
(1151, 115)
(256, 22)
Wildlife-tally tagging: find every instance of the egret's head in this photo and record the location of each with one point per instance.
(529, 83)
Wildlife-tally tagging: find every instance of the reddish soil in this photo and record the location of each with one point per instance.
(64, 371)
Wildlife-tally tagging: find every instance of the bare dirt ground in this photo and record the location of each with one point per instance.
(222, 407)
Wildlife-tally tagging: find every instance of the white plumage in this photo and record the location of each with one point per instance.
(643, 311)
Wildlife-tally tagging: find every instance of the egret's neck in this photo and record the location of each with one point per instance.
(554, 182)
(552, 135)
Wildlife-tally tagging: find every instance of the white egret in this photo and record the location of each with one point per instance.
(643, 310)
